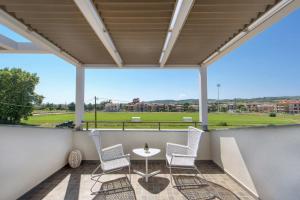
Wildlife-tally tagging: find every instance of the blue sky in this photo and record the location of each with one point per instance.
(266, 65)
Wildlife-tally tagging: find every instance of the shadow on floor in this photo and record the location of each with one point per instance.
(73, 187)
(45, 187)
(154, 185)
(205, 190)
(117, 189)
(66, 181)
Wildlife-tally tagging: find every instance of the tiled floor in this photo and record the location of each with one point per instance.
(72, 184)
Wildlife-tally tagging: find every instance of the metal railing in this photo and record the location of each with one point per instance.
(138, 125)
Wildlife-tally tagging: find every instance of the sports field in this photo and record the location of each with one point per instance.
(216, 120)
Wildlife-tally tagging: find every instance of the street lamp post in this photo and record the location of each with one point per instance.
(218, 86)
(95, 108)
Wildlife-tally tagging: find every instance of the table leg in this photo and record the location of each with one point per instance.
(146, 169)
(146, 175)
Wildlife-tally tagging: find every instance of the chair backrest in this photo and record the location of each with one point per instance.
(194, 136)
(96, 137)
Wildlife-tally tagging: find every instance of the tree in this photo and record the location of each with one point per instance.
(89, 107)
(71, 106)
(17, 96)
(50, 106)
(60, 107)
(186, 106)
(102, 104)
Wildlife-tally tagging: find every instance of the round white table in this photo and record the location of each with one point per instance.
(141, 152)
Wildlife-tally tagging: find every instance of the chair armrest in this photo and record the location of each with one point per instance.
(182, 160)
(183, 155)
(177, 145)
(113, 147)
(119, 157)
(112, 152)
(176, 148)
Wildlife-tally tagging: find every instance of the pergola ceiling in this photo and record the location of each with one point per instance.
(211, 23)
(138, 28)
(61, 22)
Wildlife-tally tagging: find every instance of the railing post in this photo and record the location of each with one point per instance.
(123, 125)
(159, 126)
(87, 126)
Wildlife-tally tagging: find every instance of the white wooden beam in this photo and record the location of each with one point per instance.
(79, 103)
(7, 43)
(11, 46)
(179, 17)
(36, 38)
(279, 11)
(203, 101)
(24, 51)
(91, 14)
(26, 47)
(103, 66)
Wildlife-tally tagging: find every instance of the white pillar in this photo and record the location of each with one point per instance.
(79, 108)
(203, 110)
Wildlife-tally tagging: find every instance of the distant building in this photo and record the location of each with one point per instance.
(179, 108)
(139, 106)
(112, 107)
(231, 107)
(251, 107)
(266, 108)
(193, 108)
(261, 107)
(288, 106)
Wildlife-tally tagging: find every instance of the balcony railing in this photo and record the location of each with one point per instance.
(159, 125)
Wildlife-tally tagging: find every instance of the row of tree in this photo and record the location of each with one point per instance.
(100, 107)
(213, 107)
(69, 107)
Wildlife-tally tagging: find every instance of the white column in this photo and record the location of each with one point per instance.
(203, 110)
(79, 108)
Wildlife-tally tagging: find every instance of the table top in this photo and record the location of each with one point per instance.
(141, 152)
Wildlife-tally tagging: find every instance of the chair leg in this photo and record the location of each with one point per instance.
(171, 177)
(198, 172)
(129, 172)
(94, 172)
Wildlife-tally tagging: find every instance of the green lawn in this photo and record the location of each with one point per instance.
(216, 120)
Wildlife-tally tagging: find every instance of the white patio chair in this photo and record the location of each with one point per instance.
(111, 159)
(184, 156)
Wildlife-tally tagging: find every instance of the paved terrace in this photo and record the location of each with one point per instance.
(69, 184)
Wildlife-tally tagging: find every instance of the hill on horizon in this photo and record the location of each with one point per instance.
(240, 100)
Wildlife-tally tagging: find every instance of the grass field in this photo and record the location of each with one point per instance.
(216, 120)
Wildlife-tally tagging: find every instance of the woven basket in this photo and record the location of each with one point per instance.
(75, 158)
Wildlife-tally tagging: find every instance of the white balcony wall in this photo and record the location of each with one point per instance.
(264, 160)
(30, 155)
(137, 139)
